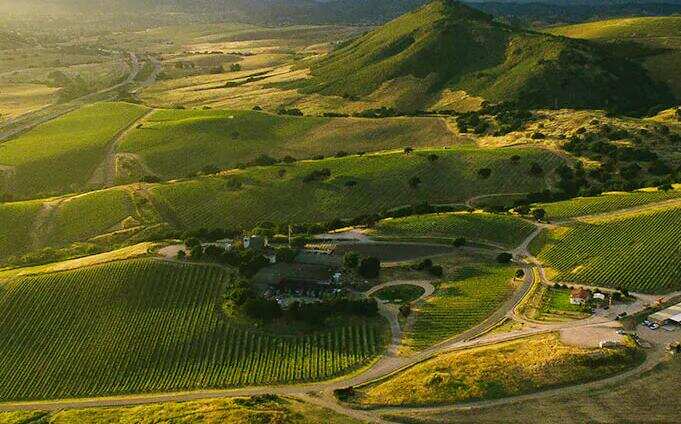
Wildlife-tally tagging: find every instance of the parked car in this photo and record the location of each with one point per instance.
(654, 326)
(646, 323)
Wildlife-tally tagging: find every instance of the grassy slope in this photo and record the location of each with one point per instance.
(470, 292)
(17, 222)
(650, 398)
(502, 370)
(450, 45)
(61, 155)
(176, 143)
(506, 230)
(662, 33)
(607, 202)
(382, 183)
(229, 410)
(636, 250)
(87, 333)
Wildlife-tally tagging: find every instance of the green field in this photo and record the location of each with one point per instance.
(502, 229)
(17, 223)
(469, 293)
(403, 293)
(382, 183)
(638, 251)
(608, 202)
(61, 155)
(256, 409)
(497, 371)
(149, 326)
(177, 143)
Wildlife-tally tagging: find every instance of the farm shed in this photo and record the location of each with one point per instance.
(671, 315)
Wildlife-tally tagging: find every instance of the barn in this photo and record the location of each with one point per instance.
(671, 315)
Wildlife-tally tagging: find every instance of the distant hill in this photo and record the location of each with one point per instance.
(655, 42)
(447, 45)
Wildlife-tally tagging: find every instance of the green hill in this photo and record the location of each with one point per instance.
(446, 45)
(60, 156)
(176, 143)
(653, 41)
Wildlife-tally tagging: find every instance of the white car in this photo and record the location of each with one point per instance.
(654, 326)
(646, 323)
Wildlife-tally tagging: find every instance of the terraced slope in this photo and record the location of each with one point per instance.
(447, 45)
(149, 326)
(177, 143)
(654, 41)
(356, 186)
(639, 251)
(60, 156)
(502, 229)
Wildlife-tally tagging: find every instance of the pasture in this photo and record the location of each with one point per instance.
(505, 230)
(502, 370)
(17, 223)
(150, 326)
(177, 143)
(357, 185)
(60, 156)
(637, 250)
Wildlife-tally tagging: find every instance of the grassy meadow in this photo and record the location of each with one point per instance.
(61, 155)
(177, 143)
(357, 185)
(501, 370)
(618, 250)
(505, 230)
(86, 333)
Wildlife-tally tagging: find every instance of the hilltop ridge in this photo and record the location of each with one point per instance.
(448, 45)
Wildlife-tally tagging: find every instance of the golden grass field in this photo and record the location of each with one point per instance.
(501, 370)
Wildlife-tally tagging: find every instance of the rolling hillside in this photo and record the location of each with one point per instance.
(446, 45)
(177, 143)
(653, 41)
(60, 156)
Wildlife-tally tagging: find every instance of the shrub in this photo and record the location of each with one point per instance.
(536, 169)
(405, 310)
(369, 267)
(504, 258)
(436, 271)
(484, 172)
(414, 182)
(459, 242)
(351, 259)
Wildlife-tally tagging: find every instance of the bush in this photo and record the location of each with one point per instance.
(262, 309)
(459, 242)
(414, 182)
(504, 258)
(436, 271)
(344, 394)
(286, 255)
(405, 310)
(484, 173)
(369, 267)
(520, 273)
(351, 259)
(536, 169)
(317, 175)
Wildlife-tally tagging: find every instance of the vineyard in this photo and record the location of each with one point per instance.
(470, 293)
(77, 144)
(145, 326)
(177, 143)
(357, 185)
(637, 251)
(609, 202)
(502, 229)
